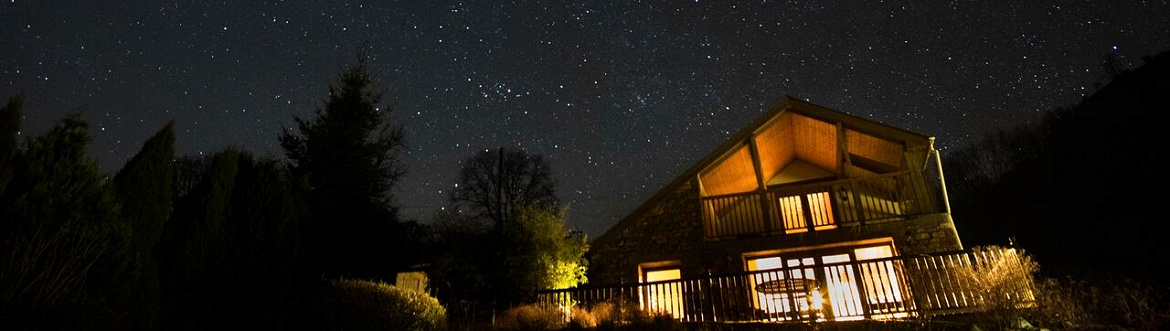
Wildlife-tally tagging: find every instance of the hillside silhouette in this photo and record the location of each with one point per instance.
(1077, 189)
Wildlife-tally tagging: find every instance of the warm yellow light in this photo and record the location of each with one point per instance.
(817, 301)
(665, 297)
(661, 275)
(871, 253)
(820, 210)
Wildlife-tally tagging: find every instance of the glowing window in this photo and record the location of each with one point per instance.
(662, 293)
(820, 209)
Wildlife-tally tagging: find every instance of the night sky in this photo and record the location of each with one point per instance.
(622, 96)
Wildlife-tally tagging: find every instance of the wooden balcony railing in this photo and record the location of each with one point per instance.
(817, 206)
(886, 288)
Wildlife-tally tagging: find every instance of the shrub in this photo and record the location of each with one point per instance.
(581, 319)
(1072, 303)
(531, 317)
(622, 316)
(1003, 281)
(368, 305)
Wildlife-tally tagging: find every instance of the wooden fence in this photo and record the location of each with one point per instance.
(887, 288)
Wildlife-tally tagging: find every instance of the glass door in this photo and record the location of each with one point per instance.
(838, 284)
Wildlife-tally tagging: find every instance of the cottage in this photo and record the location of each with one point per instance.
(806, 213)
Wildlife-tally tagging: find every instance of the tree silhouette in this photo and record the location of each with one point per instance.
(67, 261)
(513, 239)
(9, 126)
(1072, 188)
(232, 255)
(494, 184)
(349, 158)
(144, 187)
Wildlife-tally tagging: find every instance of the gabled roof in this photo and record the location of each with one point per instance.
(789, 104)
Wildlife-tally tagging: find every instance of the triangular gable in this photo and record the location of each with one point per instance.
(862, 134)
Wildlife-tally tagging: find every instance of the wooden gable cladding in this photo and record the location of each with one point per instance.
(815, 141)
(788, 138)
(775, 145)
(873, 148)
(734, 174)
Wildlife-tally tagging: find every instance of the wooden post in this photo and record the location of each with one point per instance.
(808, 218)
(860, 283)
(844, 163)
(842, 151)
(761, 187)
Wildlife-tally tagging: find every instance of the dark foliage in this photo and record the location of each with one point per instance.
(144, 187)
(9, 126)
(493, 184)
(189, 171)
(231, 254)
(67, 260)
(1077, 188)
(366, 305)
(348, 157)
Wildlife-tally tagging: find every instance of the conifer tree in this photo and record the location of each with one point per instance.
(348, 156)
(66, 261)
(144, 187)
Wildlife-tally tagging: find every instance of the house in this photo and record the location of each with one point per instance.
(806, 213)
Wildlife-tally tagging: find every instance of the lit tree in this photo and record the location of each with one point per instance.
(525, 247)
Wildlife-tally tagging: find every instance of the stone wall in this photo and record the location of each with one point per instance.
(670, 230)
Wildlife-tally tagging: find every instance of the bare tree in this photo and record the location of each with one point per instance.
(494, 184)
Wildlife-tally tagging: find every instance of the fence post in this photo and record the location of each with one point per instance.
(861, 290)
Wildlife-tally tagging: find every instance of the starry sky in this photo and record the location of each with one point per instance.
(621, 96)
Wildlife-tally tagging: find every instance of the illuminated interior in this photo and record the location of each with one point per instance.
(883, 289)
(660, 296)
(787, 286)
(778, 291)
(821, 212)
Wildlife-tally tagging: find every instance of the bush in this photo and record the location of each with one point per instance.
(367, 305)
(582, 319)
(620, 316)
(1003, 281)
(531, 317)
(1072, 303)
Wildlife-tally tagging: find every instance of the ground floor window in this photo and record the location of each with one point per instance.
(661, 291)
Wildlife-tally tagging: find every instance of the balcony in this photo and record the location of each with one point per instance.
(820, 206)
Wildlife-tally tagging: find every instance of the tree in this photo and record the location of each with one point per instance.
(1073, 174)
(493, 184)
(232, 252)
(144, 187)
(539, 253)
(505, 265)
(513, 241)
(349, 156)
(146, 183)
(9, 126)
(67, 260)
